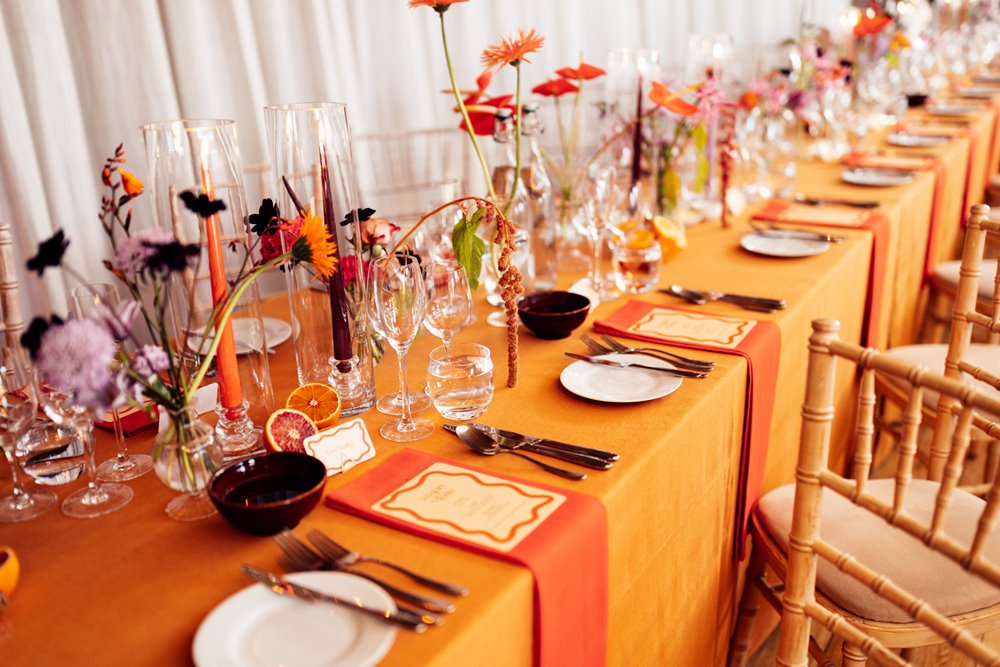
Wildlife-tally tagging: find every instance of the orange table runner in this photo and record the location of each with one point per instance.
(566, 548)
(876, 223)
(758, 341)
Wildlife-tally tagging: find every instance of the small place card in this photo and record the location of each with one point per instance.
(680, 326)
(342, 447)
(472, 506)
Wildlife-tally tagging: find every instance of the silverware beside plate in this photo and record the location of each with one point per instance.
(832, 201)
(701, 297)
(589, 458)
(481, 443)
(614, 363)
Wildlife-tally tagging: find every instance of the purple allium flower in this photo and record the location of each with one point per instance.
(149, 360)
(118, 320)
(132, 253)
(75, 358)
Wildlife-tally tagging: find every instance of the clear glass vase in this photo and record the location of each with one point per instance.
(185, 456)
(312, 157)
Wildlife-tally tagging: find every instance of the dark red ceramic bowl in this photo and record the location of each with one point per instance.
(266, 494)
(553, 315)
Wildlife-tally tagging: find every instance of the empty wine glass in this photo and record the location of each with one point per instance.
(449, 299)
(400, 304)
(18, 403)
(88, 300)
(393, 403)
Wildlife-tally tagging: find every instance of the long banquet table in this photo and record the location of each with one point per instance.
(131, 588)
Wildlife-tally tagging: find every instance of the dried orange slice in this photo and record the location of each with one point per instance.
(286, 430)
(319, 401)
(10, 571)
(640, 239)
(671, 235)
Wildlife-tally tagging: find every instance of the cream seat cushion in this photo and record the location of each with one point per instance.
(932, 357)
(922, 572)
(948, 273)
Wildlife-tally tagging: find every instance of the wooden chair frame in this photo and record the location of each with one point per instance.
(10, 301)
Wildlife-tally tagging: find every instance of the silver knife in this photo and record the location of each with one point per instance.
(830, 201)
(548, 442)
(504, 442)
(281, 586)
(701, 297)
(676, 372)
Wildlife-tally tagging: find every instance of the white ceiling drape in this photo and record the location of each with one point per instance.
(80, 76)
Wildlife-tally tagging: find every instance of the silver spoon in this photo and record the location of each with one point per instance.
(482, 444)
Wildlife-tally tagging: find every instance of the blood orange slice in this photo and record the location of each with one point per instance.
(320, 402)
(286, 429)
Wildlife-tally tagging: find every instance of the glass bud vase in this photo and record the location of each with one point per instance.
(314, 173)
(185, 456)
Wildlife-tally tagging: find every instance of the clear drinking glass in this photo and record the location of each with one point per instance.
(87, 299)
(460, 380)
(636, 258)
(400, 303)
(449, 299)
(18, 403)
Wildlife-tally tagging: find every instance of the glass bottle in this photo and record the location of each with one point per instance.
(544, 225)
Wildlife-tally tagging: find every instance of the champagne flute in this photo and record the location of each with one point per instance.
(393, 403)
(400, 303)
(449, 300)
(124, 466)
(18, 403)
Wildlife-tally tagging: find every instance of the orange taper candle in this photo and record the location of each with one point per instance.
(230, 393)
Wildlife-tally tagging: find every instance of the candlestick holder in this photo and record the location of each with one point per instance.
(235, 430)
(314, 172)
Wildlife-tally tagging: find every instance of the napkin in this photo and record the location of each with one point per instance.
(757, 341)
(567, 551)
(824, 216)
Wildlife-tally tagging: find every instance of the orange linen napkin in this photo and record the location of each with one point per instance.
(957, 130)
(912, 164)
(567, 551)
(759, 342)
(823, 216)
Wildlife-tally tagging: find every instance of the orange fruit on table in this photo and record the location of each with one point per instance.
(320, 402)
(286, 430)
(10, 571)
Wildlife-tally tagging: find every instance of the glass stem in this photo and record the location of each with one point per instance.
(86, 434)
(405, 418)
(15, 473)
(595, 262)
(122, 454)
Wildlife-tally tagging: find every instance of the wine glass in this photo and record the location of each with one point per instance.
(88, 299)
(400, 304)
(96, 499)
(393, 403)
(449, 300)
(18, 403)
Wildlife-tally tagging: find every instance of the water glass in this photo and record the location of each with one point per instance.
(636, 260)
(460, 380)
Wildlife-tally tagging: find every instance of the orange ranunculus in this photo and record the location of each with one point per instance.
(662, 96)
(749, 100)
(132, 185)
(584, 72)
(512, 50)
(871, 25)
(436, 5)
(555, 88)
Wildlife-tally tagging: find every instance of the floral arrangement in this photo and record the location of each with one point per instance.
(85, 357)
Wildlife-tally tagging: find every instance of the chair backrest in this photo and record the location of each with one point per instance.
(965, 319)
(812, 475)
(12, 323)
(411, 158)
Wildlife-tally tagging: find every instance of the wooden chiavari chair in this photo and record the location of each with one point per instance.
(881, 563)
(12, 323)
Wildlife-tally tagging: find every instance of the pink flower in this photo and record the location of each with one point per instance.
(75, 358)
(349, 268)
(377, 231)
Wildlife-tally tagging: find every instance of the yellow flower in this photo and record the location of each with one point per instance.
(314, 246)
(512, 50)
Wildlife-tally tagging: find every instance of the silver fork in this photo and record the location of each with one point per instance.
(700, 365)
(330, 550)
(301, 556)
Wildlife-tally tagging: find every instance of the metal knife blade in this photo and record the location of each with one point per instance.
(829, 201)
(622, 364)
(281, 586)
(594, 462)
(554, 444)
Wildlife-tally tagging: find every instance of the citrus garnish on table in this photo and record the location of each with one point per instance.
(286, 429)
(10, 571)
(320, 402)
(671, 236)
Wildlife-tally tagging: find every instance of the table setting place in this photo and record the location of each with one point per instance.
(462, 372)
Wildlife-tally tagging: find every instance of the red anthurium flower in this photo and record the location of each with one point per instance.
(555, 88)
(871, 25)
(584, 72)
(662, 96)
(482, 114)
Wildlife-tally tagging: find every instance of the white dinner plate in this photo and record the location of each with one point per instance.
(257, 628)
(952, 109)
(979, 92)
(774, 244)
(878, 178)
(915, 140)
(276, 332)
(619, 385)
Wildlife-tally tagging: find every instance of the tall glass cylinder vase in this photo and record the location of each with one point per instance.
(201, 157)
(314, 169)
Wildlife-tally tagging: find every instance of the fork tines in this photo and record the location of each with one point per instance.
(679, 360)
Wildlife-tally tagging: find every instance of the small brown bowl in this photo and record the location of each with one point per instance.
(268, 493)
(553, 315)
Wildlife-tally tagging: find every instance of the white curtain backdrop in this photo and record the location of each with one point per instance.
(79, 76)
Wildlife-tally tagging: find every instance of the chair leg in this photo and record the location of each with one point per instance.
(852, 656)
(750, 601)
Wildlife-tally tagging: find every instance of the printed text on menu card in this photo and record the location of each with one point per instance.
(471, 506)
(700, 329)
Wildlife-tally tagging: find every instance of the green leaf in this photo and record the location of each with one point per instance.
(671, 188)
(469, 248)
(699, 135)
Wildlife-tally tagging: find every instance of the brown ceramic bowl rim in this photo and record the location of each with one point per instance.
(277, 503)
(530, 298)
